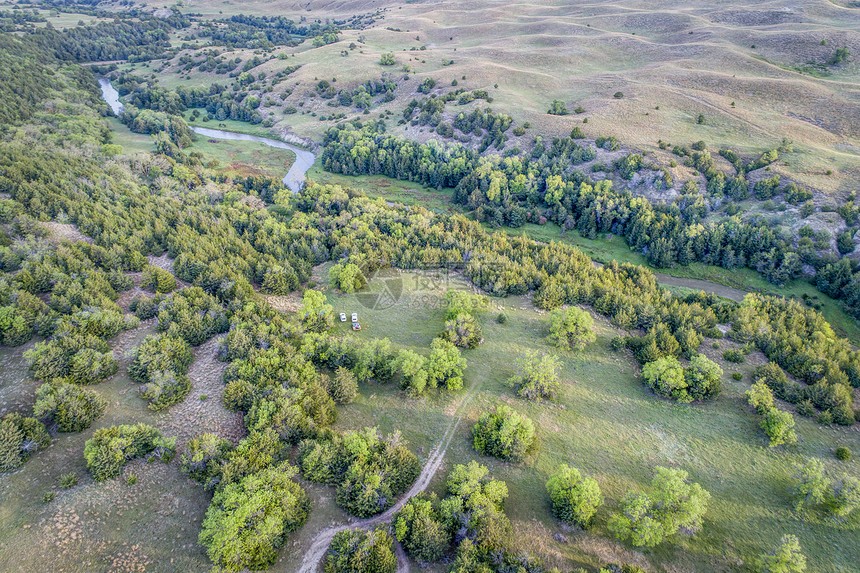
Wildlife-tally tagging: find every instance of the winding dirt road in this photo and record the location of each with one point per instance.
(320, 543)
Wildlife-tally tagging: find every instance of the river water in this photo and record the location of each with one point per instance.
(295, 177)
(294, 180)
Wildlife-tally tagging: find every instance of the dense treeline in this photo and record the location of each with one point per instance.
(370, 471)
(25, 79)
(545, 186)
(144, 37)
(261, 32)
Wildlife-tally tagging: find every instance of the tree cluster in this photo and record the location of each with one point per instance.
(160, 364)
(359, 551)
(674, 505)
(369, 470)
(813, 490)
(20, 437)
(505, 434)
(777, 424)
(701, 380)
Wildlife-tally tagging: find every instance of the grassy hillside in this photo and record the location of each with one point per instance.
(756, 74)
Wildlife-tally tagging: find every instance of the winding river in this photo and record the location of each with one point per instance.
(295, 177)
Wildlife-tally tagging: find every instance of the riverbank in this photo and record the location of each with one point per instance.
(295, 177)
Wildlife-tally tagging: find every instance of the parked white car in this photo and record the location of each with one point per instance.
(343, 317)
(355, 317)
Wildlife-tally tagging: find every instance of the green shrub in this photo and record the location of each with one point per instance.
(502, 318)
(157, 354)
(537, 376)
(83, 358)
(504, 434)
(67, 406)
(475, 503)
(145, 307)
(420, 529)
(343, 387)
(158, 280)
(807, 408)
(445, 365)
(369, 471)
(787, 558)
(68, 480)
(20, 437)
(574, 499)
(674, 504)
(160, 364)
(737, 376)
(779, 427)
(571, 328)
(360, 551)
(463, 330)
(111, 448)
(843, 454)
(557, 107)
(165, 389)
(700, 381)
(249, 520)
(49, 496)
(193, 315)
(346, 277)
(204, 457)
(734, 355)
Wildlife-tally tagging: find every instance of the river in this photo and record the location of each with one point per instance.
(295, 177)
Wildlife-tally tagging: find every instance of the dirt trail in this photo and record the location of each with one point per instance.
(320, 543)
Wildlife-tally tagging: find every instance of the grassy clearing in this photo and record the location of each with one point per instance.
(607, 424)
(63, 20)
(131, 142)
(392, 190)
(245, 157)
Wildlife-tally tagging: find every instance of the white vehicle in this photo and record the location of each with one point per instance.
(355, 317)
(343, 317)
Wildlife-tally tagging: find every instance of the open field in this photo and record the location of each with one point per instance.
(687, 58)
(245, 157)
